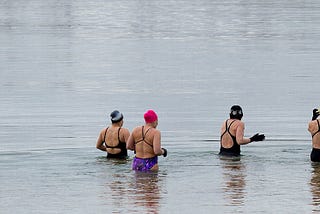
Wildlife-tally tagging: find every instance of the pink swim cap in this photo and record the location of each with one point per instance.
(150, 116)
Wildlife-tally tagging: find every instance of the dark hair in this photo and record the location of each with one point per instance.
(116, 116)
(236, 112)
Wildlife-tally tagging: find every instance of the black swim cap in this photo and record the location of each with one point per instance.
(236, 112)
(116, 116)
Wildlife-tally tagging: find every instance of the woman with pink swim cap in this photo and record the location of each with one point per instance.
(145, 141)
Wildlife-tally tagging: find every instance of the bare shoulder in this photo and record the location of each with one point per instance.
(103, 130)
(312, 123)
(154, 132)
(239, 124)
(137, 129)
(124, 130)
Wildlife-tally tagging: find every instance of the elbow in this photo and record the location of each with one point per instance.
(101, 146)
(129, 147)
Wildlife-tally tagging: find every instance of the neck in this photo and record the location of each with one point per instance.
(151, 125)
(235, 119)
(117, 124)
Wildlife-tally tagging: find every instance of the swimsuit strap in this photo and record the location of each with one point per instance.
(105, 133)
(143, 137)
(318, 129)
(111, 147)
(142, 133)
(224, 130)
(119, 134)
(227, 128)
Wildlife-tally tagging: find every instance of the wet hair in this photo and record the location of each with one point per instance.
(116, 116)
(236, 112)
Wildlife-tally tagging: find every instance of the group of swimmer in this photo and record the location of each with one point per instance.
(145, 140)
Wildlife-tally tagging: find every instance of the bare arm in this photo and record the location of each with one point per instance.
(313, 127)
(125, 134)
(100, 144)
(130, 142)
(157, 143)
(240, 135)
(309, 127)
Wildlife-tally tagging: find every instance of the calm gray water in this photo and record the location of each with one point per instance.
(65, 65)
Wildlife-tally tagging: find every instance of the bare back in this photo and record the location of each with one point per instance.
(236, 129)
(314, 130)
(113, 137)
(146, 141)
(110, 137)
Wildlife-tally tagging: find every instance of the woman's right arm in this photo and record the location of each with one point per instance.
(311, 127)
(100, 144)
(240, 135)
(130, 142)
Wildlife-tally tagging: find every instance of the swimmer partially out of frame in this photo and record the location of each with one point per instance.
(314, 129)
(232, 133)
(145, 141)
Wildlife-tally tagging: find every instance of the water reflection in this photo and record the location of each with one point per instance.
(114, 175)
(234, 173)
(315, 186)
(145, 192)
(129, 191)
(118, 193)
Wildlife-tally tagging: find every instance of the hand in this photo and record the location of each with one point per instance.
(257, 137)
(165, 152)
(315, 114)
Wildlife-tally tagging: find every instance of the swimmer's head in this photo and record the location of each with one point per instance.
(236, 112)
(116, 116)
(150, 116)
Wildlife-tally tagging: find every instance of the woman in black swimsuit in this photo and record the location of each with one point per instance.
(314, 129)
(112, 139)
(232, 133)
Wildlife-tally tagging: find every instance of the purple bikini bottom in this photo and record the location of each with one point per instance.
(144, 164)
